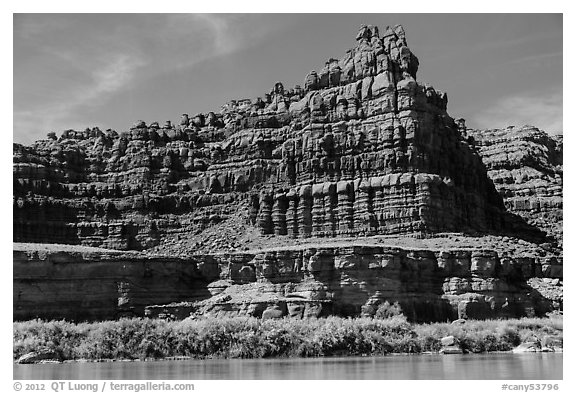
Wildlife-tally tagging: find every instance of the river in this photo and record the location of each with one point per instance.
(535, 366)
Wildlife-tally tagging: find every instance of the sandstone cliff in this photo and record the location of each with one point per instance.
(526, 166)
(260, 206)
(430, 284)
(361, 149)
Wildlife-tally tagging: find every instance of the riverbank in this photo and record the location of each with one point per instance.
(245, 337)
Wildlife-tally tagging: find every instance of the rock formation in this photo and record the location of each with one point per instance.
(361, 149)
(526, 167)
(429, 284)
(98, 284)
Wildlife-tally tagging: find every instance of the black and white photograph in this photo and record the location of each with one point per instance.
(202, 197)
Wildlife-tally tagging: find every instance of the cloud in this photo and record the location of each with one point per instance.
(67, 67)
(114, 75)
(539, 59)
(193, 38)
(30, 27)
(214, 35)
(224, 42)
(543, 110)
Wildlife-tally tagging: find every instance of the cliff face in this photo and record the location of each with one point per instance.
(260, 206)
(361, 149)
(526, 166)
(94, 284)
(430, 285)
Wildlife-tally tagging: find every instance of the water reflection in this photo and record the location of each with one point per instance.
(483, 366)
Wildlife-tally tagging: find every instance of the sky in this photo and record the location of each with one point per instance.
(109, 70)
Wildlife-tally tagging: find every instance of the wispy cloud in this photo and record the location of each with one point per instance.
(33, 27)
(206, 36)
(68, 66)
(540, 109)
(113, 76)
(116, 74)
(224, 41)
(214, 35)
(540, 60)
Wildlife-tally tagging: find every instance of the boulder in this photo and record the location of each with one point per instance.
(296, 310)
(448, 341)
(450, 346)
(529, 346)
(38, 356)
(451, 350)
(273, 312)
(313, 310)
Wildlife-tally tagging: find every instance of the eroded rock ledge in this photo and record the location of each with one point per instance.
(430, 285)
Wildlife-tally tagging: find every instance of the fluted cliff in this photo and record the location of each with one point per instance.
(361, 149)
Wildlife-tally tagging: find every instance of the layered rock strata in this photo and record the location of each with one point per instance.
(430, 285)
(98, 285)
(362, 148)
(526, 166)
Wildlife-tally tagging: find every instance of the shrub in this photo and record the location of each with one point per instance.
(246, 337)
(387, 310)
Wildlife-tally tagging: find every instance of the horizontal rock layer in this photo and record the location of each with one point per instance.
(312, 281)
(94, 286)
(526, 166)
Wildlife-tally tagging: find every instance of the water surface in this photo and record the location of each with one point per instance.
(536, 366)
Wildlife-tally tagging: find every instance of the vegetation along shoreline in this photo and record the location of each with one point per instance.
(38, 341)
